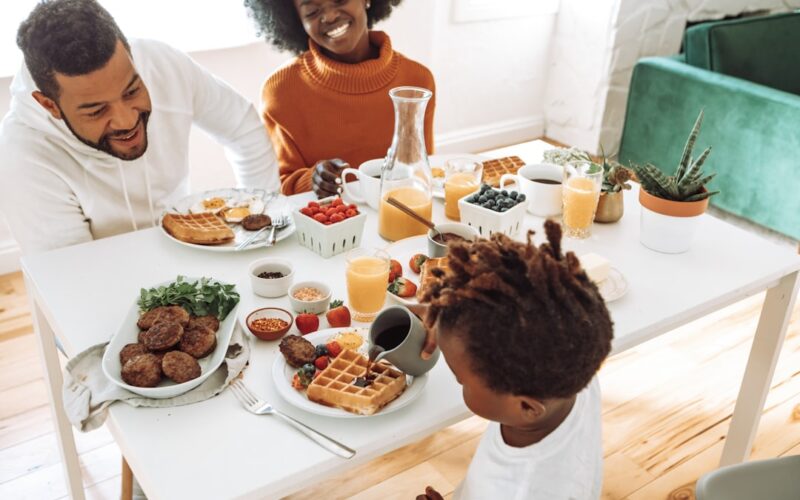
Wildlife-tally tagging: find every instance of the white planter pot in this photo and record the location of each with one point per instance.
(668, 226)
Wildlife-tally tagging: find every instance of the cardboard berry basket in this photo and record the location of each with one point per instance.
(332, 239)
(488, 221)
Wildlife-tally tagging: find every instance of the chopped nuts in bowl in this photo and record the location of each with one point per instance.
(310, 296)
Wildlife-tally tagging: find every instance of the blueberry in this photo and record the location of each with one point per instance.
(482, 199)
(484, 188)
(521, 197)
(504, 192)
(491, 194)
(309, 368)
(513, 195)
(488, 205)
(321, 350)
(504, 209)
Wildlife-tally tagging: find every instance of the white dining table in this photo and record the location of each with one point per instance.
(215, 449)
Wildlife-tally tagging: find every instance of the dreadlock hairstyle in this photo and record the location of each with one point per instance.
(71, 37)
(532, 322)
(278, 22)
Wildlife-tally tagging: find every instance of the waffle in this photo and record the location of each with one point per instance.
(426, 277)
(334, 385)
(201, 229)
(494, 169)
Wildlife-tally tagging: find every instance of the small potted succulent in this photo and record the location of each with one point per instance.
(672, 204)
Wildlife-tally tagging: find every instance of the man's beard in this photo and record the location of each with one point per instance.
(104, 144)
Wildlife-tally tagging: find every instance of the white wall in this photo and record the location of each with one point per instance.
(490, 79)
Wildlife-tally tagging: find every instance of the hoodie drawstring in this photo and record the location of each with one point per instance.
(125, 193)
(149, 194)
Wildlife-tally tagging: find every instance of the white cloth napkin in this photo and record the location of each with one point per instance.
(88, 392)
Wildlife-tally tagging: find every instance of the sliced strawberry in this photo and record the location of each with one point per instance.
(402, 288)
(334, 349)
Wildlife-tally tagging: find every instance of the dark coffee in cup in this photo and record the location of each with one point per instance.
(444, 238)
(545, 181)
(388, 339)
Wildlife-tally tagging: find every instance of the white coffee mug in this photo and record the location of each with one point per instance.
(541, 184)
(369, 180)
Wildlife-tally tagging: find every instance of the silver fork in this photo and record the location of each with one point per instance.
(279, 223)
(254, 404)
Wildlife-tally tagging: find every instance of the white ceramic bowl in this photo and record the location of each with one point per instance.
(436, 249)
(271, 287)
(318, 306)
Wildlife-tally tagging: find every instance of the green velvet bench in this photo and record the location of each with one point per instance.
(745, 74)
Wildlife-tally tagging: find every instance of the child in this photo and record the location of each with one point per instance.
(524, 331)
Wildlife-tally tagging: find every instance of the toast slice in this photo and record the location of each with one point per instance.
(426, 277)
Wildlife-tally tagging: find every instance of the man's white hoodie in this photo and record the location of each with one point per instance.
(57, 191)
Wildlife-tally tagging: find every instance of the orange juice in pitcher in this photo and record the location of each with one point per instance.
(395, 225)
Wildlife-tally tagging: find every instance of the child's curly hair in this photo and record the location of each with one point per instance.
(532, 322)
(278, 22)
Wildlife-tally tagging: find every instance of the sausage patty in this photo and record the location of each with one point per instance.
(175, 314)
(130, 351)
(208, 321)
(254, 222)
(198, 341)
(162, 336)
(180, 367)
(142, 371)
(297, 350)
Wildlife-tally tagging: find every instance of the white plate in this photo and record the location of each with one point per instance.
(438, 161)
(128, 333)
(402, 251)
(614, 286)
(282, 375)
(276, 204)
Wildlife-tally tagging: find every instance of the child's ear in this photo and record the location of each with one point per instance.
(532, 409)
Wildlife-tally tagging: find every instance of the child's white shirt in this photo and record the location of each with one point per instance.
(565, 465)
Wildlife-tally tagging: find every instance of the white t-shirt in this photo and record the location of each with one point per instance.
(565, 465)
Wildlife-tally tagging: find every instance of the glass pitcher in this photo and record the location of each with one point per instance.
(406, 173)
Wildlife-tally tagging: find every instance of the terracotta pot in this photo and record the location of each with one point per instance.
(610, 207)
(668, 226)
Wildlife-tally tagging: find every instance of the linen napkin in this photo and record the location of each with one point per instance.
(88, 392)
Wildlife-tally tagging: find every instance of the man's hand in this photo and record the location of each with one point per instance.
(430, 494)
(420, 310)
(327, 177)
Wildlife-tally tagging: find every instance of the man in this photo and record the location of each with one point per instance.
(96, 140)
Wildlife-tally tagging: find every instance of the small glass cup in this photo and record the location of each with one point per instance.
(581, 192)
(367, 277)
(462, 176)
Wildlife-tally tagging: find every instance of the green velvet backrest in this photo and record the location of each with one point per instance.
(763, 50)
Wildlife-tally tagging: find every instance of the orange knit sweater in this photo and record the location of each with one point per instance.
(316, 109)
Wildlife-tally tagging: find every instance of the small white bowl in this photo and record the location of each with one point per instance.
(436, 249)
(318, 306)
(271, 287)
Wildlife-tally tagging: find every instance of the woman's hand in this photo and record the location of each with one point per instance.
(420, 310)
(327, 177)
(430, 494)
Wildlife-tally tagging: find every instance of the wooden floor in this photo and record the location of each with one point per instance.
(666, 409)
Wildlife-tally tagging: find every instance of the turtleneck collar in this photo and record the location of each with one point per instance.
(360, 78)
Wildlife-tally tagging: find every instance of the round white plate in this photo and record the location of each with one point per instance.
(438, 161)
(614, 286)
(402, 251)
(282, 375)
(275, 204)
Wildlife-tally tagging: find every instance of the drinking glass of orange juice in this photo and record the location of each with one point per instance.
(581, 192)
(462, 176)
(367, 279)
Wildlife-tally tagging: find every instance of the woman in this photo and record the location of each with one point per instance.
(331, 101)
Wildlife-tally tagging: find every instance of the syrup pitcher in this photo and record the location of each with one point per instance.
(398, 335)
(406, 173)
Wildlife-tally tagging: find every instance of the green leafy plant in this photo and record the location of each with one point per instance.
(615, 176)
(688, 183)
(199, 298)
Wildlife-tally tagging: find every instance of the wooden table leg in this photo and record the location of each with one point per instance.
(127, 481)
(757, 379)
(52, 368)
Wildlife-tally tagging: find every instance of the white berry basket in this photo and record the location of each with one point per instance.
(488, 221)
(332, 239)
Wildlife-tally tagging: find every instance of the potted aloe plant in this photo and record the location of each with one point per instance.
(672, 204)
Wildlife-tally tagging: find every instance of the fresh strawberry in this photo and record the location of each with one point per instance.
(337, 217)
(339, 315)
(352, 206)
(395, 270)
(402, 288)
(320, 217)
(351, 213)
(334, 349)
(307, 211)
(313, 204)
(307, 323)
(296, 384)
(321, 362)
(416, 262)
(337, 202)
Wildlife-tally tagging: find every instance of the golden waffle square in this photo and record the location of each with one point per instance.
(200, 229)
(334, 385)
(426, 277)
(494, 169)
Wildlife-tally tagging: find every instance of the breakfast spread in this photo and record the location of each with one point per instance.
(200, 229)
(498, 200)
(494, 169)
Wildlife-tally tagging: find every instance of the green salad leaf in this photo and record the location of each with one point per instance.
(199, 298)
